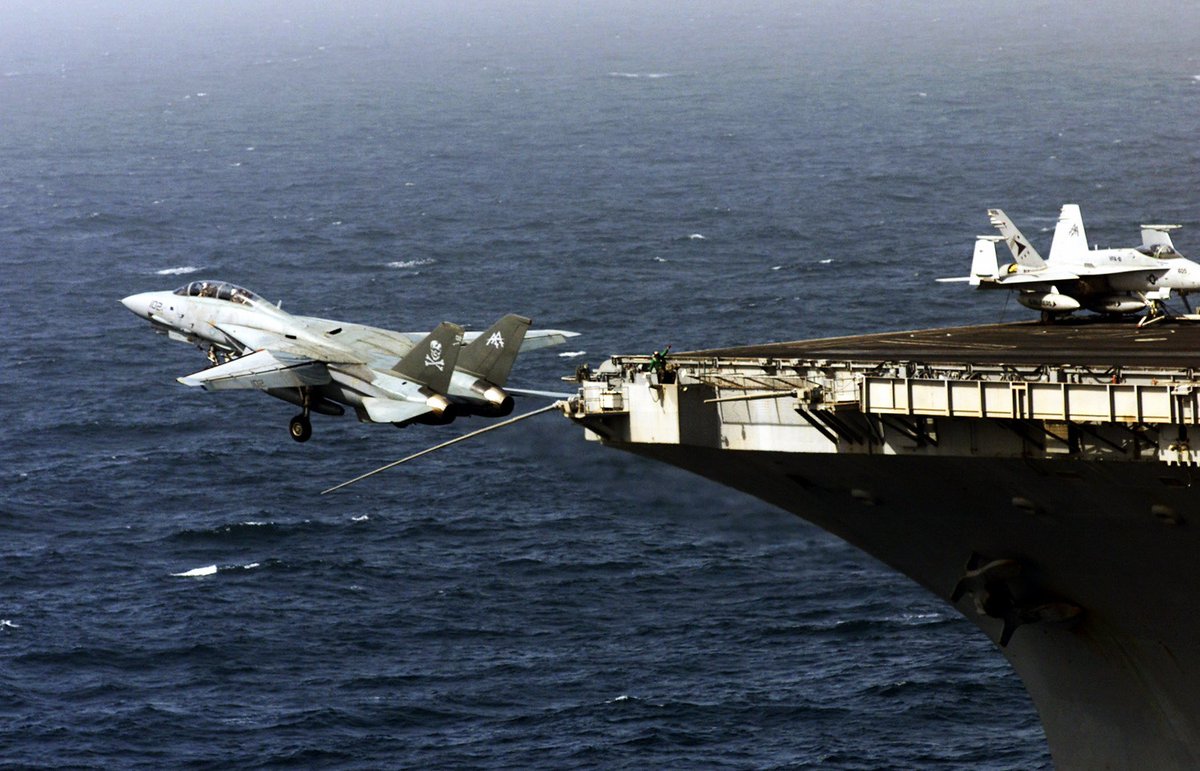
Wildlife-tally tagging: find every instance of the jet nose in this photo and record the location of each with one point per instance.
(139, 303)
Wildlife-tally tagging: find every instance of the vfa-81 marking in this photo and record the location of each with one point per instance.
(1108, 281)
(321, 365)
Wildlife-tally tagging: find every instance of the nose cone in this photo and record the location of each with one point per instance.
(139, 303)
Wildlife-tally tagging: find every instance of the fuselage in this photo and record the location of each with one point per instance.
(228, 321)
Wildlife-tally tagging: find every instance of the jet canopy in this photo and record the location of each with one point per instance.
(1160, 251)
(220, 290)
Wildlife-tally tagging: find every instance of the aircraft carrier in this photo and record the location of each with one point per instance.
(1039, 477)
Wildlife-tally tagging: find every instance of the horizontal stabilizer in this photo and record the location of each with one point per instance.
(534, 338)
(393, 410)
(544, 338)
(260, 370)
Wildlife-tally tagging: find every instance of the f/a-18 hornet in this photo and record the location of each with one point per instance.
(1108, 281)
(320, 365)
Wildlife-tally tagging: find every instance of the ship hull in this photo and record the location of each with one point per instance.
(1040, 479)
(1114, 685)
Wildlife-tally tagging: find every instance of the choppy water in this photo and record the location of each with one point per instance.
(172, 591)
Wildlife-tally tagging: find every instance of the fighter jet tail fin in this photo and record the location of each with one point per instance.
(1022, 251)
(1070, 242)
(431, 362)
(984, 264)
(491, 355)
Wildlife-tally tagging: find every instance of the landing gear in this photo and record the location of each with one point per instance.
(300, 428)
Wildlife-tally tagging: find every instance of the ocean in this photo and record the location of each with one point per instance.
(174, 592)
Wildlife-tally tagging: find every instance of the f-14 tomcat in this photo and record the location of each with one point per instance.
(1109, 281)
(320, 365)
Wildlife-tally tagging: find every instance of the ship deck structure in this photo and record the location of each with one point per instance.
(1044, 479)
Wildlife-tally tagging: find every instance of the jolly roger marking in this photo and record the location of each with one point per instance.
(496, 340)
(434, 357)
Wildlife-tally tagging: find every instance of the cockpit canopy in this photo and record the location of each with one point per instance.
(221, 290)
(1161, 251)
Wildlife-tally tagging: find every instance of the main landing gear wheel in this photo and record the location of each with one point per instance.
(300, 428)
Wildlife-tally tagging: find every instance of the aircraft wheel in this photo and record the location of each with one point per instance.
(300, 428)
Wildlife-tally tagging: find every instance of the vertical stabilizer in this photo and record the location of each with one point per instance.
(1070, 242)
(491, 355)
(1022, 251)
(984, 264)
(431, 362)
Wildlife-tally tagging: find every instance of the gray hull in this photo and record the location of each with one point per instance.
(1054, 507)
(1115, 687)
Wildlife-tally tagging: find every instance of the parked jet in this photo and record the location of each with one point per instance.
(1109, 281)
(320, 365)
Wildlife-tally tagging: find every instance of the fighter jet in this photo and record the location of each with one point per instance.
(1107, 281)
(320, 364)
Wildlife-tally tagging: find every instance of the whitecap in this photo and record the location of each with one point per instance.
(251, 566)
(411, 263)
(660, 259)
(571, 354)
(697, 237)
(361, 518)
(183, 270)
(826, 261)
(637, 75)
(6, 624)
(207, 570)
(777, 267)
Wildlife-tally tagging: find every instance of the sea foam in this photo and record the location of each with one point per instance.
(207, 570)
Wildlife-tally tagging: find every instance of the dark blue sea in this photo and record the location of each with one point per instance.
(644, 173)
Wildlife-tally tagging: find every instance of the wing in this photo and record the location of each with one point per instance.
(1035, 278)
(1118, 270)
(254, 339)
(261, 370)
